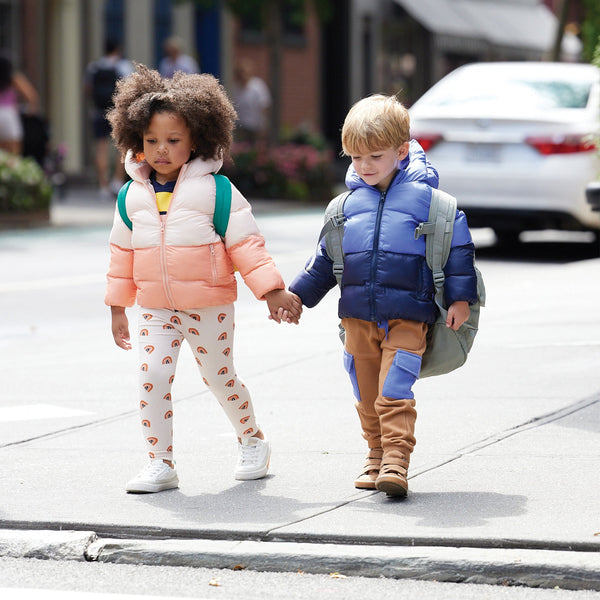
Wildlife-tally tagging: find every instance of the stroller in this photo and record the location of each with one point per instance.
(36, 144)
(36, 136)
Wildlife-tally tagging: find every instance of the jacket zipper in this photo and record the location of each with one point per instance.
(213, 263)
(375, 253)
(164, 271)
(163, 266)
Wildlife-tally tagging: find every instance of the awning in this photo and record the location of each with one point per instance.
(511, 23)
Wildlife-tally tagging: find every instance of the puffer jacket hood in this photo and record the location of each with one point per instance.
(415, 167)
(198, 167)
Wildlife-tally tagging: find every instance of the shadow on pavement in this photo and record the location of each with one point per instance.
(448, 510)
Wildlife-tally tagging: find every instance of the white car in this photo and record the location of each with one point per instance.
(514, 143)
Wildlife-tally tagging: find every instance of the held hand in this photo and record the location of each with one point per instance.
(458, 313)
(120, 327)
(283, 306)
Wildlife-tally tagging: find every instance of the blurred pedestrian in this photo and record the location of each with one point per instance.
(14, 87)
(176, 132)
(387, 292)
(175, 60)
(101, 77)
(252, 101)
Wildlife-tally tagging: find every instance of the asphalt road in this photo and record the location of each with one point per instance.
(57, 580)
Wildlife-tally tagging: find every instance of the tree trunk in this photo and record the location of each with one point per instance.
(560, 30)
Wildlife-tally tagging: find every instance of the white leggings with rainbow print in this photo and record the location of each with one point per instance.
(209, 332)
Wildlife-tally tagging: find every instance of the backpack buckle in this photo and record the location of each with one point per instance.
(423, 229)
(338, 269)
(338, 220)
(438, 279)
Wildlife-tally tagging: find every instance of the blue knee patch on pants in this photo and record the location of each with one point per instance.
(402, 375)
(351, 370)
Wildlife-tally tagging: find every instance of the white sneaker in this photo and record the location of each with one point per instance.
(155, 477)
(253, 460)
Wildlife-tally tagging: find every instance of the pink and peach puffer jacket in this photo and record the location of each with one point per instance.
(179, 261)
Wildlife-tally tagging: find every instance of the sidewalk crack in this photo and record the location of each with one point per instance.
(496, 438)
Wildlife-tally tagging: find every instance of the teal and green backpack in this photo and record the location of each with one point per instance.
(222, 204)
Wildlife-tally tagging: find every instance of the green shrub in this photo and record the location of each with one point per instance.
(596, 62)
(294, 171)
(23, 185)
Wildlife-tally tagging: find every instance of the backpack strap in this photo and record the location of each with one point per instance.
(438, 231)
(222, 204)
(122, 205)
(333, 232)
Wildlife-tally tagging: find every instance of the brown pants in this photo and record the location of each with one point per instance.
(383, 364)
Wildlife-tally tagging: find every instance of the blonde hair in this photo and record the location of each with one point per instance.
(375, 123)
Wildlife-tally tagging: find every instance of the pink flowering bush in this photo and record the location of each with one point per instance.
(288, 171)
(23, 185)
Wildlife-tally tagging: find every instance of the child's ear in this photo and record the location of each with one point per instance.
(403, 151)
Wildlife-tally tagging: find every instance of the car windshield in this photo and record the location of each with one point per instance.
(538, 93)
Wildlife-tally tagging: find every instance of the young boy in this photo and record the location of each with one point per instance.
(387, 292)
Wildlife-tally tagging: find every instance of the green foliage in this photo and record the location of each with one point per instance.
(23, 185)
(294, 171)
(596, 61)
(596, 57)
(590, 29)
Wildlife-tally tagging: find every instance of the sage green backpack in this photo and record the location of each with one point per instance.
(222, 204)
(446, 349)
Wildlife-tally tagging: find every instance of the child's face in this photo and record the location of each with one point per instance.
(378, 167)
(167, 145)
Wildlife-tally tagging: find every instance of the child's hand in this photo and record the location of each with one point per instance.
(283, 306)
(458, 313)
(120, 327)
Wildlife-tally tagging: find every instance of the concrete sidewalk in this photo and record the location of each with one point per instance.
(506, 492)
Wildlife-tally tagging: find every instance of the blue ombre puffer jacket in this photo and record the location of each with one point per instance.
(385, 272)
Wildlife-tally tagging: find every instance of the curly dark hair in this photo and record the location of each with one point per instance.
(199, 99)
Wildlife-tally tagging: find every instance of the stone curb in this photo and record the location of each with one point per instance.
(531, 568)
(569, 570)
(46, 544)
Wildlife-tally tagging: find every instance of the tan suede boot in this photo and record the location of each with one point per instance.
(392, 478)
(370, 472)
(397, 419)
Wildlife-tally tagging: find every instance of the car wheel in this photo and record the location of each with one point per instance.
(507, 237)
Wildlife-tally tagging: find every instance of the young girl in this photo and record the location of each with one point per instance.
(175, 133)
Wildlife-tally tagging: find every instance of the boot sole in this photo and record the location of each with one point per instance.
(392, 487)
(364, 485)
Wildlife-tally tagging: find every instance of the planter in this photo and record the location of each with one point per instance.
(289, 171)
(25, 192)
(24, 219)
